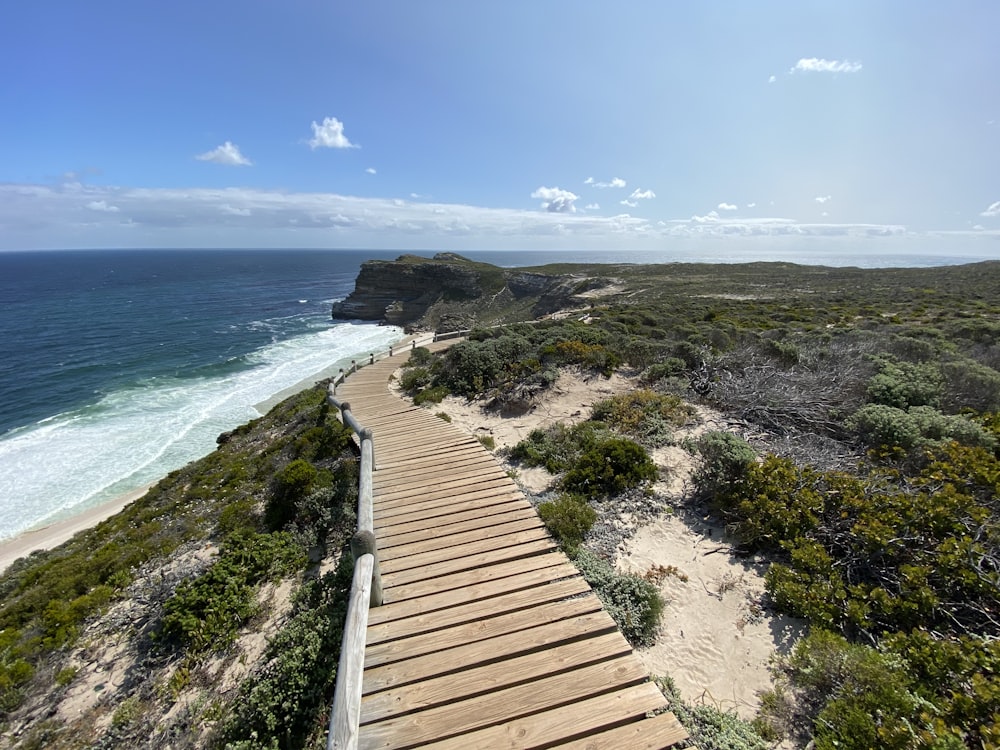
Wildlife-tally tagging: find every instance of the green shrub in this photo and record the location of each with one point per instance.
(206, 612)
(487, 441)
(888, 426)
(414, 378)
(906, 384)
(433, 395)
(420, 356)
(568, 519)
(443, 416)
(709, 727)
(648, 416)
(609, 468)
(558, 447)
(725, 459)
(672, 367)
(279, 704)
(634, 603)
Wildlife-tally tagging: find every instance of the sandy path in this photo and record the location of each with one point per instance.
(716, 641)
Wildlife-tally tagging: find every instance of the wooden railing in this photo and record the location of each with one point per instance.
(366, 586)
(366, 591)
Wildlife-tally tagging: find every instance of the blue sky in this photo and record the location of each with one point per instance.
(518, 125)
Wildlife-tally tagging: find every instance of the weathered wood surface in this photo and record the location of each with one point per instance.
(488, 637)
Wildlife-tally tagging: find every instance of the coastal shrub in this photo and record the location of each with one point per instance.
(568, 518)
(970, 385)
(854, 696)
(279, 703)
(888, 426)
(671, 367)
(725, 459)
(420, 356)
(414, 378)
(633, 602)
(709, 727)
(205, 613)
(609, 468)
(487, 441)
(645, 415)
(558, 446)
(905, 384)
(433, 395)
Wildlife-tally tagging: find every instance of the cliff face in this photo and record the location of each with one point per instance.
(448, 288)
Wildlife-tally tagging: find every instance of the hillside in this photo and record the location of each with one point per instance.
(853, 455)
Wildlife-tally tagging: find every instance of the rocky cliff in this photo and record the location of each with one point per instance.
(450, 291)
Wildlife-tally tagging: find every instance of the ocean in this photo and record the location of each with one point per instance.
(118, 366)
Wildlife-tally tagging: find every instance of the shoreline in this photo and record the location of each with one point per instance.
(55, 533)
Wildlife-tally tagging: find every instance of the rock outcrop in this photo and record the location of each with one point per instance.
(450, 288)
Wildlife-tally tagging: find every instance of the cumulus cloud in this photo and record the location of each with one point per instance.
(992, 211)
(102, 206)
(329, 135)
(822, 198)
(751, 205)
(370, 170)
(772, 79)
(556, 200)
(593, 207)
(642, 194)
(821, 65)
(616, 182)
(727, 207)
(228, 153)
(630, 204)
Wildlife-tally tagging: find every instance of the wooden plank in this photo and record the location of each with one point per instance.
(481, 651)
(432, 582)
(589, 715)
(656, 733)
(473, 628)
(452, 519)
(447, 560)
(457, 686)
(415, 507)
(461, 456)
(450, 485)
(541, 576)
(462, 543)
(507, 704)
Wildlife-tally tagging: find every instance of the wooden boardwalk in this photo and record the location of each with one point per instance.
(488, 637)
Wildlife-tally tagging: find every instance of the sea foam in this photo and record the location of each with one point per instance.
(134, 436)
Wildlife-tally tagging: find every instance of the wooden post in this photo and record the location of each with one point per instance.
(344, 408)
(363, 543)
(354, 365)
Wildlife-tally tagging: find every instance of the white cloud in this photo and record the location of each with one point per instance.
(727, 207)
(820, 65)
(772, 79)
(370, 170)
(993, 211)
(751, 205)
(45, 216)
(228, 153)
(556, 200)
(642, 194)
(593, 207)
(102, 206)
(630, 204)
(329, 135)
(822, 198)
(616, 182)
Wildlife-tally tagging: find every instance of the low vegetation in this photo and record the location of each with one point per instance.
(866, 470)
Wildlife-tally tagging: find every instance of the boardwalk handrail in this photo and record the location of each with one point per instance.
(366, 591)
(366, 585)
